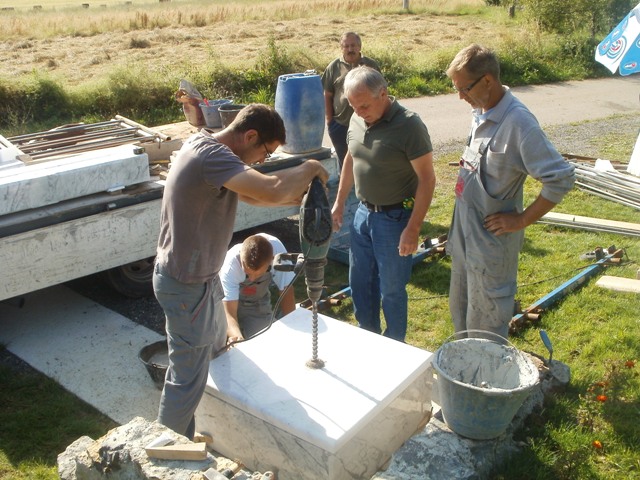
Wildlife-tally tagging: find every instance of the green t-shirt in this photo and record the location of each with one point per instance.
(382, 155)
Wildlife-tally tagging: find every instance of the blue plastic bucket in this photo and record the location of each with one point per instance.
(300, 103)
(482, 383)
(211, 113)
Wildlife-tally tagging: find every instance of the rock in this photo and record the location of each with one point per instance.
(437, 453)
(120, 455)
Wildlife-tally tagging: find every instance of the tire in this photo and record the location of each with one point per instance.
(133, 280)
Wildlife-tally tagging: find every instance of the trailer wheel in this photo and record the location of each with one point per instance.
(132, 280)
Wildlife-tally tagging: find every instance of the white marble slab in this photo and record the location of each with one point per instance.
(88, 349)
(46, 183)
(264, 406)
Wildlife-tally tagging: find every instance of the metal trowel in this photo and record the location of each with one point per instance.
(547, 343)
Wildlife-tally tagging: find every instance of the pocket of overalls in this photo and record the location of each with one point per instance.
(497, 281)
(487, 253)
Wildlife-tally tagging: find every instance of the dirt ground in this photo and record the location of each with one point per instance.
(79, 59)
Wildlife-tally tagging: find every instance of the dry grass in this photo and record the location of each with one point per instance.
(77, 45)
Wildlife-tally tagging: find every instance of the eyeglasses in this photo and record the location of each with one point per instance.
(267, 153)
(466, 90)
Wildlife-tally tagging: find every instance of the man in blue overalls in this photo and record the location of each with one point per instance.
(505, 145)
(246, 276)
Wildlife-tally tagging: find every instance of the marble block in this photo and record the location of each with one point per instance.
(46, 183)
(264, 406)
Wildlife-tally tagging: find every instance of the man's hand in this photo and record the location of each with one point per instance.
(337, 214)
(233, 326)
(408, 243)
(501, 223)
(321, 172)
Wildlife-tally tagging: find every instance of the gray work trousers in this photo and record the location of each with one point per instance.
(196, 328)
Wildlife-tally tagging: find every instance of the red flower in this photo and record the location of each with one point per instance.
(630, 364)
(601, 398)
(597, 444)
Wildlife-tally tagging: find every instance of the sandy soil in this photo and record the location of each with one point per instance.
(77, 59)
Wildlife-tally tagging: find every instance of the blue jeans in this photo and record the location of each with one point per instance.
(377, 272)
(338, 136)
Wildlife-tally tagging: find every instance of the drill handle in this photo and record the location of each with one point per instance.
(288, 262)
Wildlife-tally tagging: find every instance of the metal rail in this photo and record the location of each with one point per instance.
(533, 312)
(72, 139)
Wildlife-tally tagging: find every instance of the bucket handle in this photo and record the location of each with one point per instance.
(503, 340)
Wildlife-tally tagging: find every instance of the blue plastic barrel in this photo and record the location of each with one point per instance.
(300, 103)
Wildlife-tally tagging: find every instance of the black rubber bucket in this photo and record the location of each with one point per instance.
(155, 358)
(228, 112)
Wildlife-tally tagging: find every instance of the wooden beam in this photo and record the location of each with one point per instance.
(619, 284)
(187, 451)
(589, 223)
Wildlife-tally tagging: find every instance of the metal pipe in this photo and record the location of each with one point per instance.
(563, 290)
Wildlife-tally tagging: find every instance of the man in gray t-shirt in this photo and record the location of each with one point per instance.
(209, 175)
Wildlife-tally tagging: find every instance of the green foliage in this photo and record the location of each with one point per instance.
(146, 95)
(34, 99)
(38, 420)
(593, 16)
(564, 58)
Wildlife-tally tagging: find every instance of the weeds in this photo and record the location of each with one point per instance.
(146, 95)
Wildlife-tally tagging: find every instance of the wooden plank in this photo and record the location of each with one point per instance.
(187, 451)
(619, 284)
(578, 220)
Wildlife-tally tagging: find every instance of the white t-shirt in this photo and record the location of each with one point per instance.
(231, 273)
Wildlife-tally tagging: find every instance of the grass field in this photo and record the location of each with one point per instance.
(595, 331)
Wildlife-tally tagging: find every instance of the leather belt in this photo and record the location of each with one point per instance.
(382, 208)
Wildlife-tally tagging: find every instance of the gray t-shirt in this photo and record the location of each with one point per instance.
(198, 213)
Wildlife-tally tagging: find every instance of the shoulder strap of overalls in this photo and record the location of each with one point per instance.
(493, 130)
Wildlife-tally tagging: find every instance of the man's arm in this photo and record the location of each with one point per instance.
(233, 325)
(543, 162)
(288, 303)
(282, 187)
(423, 166)
(499, 223)
(328, 106)
(344, 187)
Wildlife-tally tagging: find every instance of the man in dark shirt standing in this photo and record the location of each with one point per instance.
(336, 106)
(390, 161)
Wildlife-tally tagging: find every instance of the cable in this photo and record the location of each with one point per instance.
(273, 312)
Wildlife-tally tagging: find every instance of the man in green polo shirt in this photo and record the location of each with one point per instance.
(337, 109)
(390, 161)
